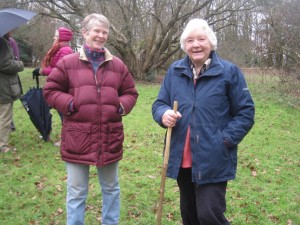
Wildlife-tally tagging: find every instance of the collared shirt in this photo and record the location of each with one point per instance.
(203, 69)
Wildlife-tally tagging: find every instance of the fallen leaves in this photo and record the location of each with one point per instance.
(40, 184)
(254, 173)
(59, 211)
(134, 213)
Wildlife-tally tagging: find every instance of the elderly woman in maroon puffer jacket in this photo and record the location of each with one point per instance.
(93, 89)
(60, 48)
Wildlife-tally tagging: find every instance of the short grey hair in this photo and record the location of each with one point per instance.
(93, 18)
(198, 25)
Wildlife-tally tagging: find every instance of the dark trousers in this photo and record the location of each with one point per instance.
(201, 204)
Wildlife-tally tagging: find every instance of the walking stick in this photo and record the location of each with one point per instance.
(164, 170)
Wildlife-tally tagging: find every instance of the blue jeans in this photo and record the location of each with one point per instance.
(77, 191)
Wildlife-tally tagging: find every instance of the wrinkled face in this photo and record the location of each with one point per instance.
(198, 47)
(96, 36)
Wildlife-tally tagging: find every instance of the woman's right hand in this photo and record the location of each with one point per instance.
(170, 117)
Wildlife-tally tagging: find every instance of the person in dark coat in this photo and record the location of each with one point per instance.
(16, 51)
(215, 112)
(94, 90)
(10, 90)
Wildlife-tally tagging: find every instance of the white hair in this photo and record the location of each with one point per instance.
(198, 25)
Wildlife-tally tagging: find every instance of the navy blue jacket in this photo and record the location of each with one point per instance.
(218, 107)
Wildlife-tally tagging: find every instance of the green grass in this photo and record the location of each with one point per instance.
(266, 191)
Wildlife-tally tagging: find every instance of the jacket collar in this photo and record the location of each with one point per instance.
(82, 56)
(215, 66)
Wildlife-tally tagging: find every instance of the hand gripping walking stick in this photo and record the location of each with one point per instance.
(164, 170)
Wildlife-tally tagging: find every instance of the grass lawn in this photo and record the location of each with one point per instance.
(266, 191)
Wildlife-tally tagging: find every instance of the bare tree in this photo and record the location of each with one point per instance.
(7, 3)
(148, 35)
(278, 34)
(145, 33)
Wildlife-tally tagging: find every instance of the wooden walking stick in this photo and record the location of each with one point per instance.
(164, 170)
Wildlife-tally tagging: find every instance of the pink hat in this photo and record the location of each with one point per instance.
(65, 34)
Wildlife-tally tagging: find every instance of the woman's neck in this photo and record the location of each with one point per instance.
(93, 49)
(198, 67)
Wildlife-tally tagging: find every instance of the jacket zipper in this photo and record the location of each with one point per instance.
(96, 80)
(97, 84)
(98, 92)
(198, 175)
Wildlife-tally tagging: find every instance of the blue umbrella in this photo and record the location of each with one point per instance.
(12, 18)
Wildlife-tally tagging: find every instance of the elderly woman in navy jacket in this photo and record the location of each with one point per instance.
(93, 89)
(215, 112)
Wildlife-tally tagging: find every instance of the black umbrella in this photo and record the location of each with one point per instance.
(38, 110)
(12, 18)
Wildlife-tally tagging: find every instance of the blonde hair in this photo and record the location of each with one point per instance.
(196, 25)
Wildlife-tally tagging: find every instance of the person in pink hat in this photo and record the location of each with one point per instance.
(60, 48)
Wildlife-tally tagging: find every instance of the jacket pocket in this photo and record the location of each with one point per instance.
(222, 147)
(77, 138)
(214, 158)
(115, 137)
(15, 88)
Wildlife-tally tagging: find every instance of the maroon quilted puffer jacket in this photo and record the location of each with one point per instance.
(93, 133)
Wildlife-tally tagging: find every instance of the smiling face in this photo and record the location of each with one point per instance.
(96, 36)
(198, 47)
